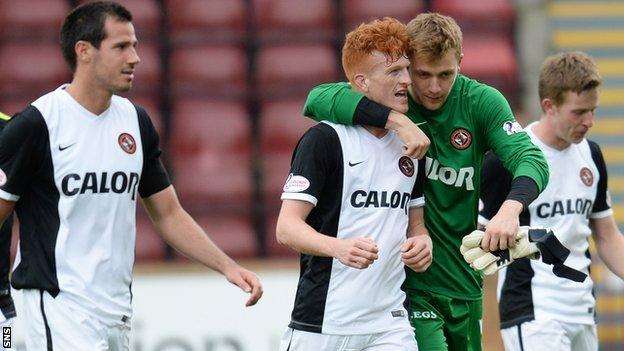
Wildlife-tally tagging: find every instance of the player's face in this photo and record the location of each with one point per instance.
(575, 116)
(387, 81)
(432, 80)
(116, 59)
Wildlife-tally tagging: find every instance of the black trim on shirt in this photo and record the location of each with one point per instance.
(370, 113)
(154, 177)
(524, 190)
(600, 203)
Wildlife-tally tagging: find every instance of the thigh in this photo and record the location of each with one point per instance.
(393, 340)
(463, 325)
(51, 324)
(548, 335)
(428, 322)
(586, 339)
(298, 340)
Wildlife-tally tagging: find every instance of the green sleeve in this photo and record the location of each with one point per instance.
(333, 102)
(504, 135)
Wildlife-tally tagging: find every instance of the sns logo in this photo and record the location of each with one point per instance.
(448, 175)
(424, 315)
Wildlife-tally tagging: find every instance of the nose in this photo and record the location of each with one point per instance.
(434, 86)
(588, 120)
(405, 77)
(134, 58)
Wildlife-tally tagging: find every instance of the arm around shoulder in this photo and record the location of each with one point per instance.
(181, 231)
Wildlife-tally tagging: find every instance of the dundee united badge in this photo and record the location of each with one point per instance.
(586, 176)
(127, 143)
(406, 165)
(461, 139)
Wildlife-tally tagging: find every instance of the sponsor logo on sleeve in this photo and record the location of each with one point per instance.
(512, 127)
(296, 184)
(586, 176)
(3, 177)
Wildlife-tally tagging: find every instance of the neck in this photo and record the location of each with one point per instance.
(87, 94)
(545, 133)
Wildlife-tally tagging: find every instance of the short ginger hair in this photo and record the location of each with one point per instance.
(387, 36)
(433, 35)
(570, 71)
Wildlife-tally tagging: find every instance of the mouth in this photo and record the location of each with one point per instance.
(128, 73)
(401, 94)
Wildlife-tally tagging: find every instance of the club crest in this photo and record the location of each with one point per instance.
(406, 165)
(461, 139)
(127, 143)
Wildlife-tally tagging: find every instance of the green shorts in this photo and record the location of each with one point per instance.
(443, 323)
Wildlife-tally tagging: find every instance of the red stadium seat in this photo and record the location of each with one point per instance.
(210, 146)
(282, 125)
(233, 233)
(209, 71)
(358, 11)
(152, 106)
(147, 77)
(290, 71)
(295, 20)
(29, 70)
(491, 59)
(145, 17)
(214, 21)
(149, 244)
(39, 20)
(492, 16)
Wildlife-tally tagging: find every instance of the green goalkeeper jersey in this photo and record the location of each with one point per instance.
(474, 119)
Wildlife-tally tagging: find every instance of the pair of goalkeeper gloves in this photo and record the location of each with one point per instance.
(532, 243)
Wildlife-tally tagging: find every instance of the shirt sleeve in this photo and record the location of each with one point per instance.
(154, 177)
(333, 102)
(602, 203)
(24, 143)
(495, 185)
(315, 158)
(418, 198)
(505, 136)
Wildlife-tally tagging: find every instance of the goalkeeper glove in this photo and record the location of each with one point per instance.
(530, 242)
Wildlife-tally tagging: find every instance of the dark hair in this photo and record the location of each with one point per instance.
(86, 22)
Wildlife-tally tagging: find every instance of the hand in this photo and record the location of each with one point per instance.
(491, 262)
(500, 233)
(416, 252)
(415, 142)
(247, 281)
(356, 253)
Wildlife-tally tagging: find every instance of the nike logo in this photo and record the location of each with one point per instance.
(66, 147)
(354, 164)
(420, 123)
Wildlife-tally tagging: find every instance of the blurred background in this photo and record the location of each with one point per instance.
(224, 82)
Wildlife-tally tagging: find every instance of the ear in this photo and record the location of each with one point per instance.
(360, 82)
(84, 51)
(548, 106)
(461, 56)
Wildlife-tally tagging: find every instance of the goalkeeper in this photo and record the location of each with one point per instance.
(539, 310)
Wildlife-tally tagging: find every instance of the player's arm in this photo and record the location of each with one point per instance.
(607, 236)
(338, 103)
(180, 231)
(294, 232)
(520, 156)
(175, 225)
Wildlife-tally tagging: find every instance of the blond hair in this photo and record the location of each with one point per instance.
(433, 35)
(387, 36)
(570, 71)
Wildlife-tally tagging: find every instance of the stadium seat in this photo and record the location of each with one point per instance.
(209, 71)
(282, 125)
(492, 16)
(214, 21)
(210, 147)
(149, 244)
(358, 11)
(148, 74)
(145, 17)
(491, 59)
(152, 106)
(233, 233)
(295, 20)
(291, 70)
(29, 70)
(37, 20)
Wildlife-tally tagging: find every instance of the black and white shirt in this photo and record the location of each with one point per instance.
(576, 192)
(75, 177)
(7, 308)
(361, 186)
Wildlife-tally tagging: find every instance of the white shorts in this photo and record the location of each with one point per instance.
(550, 335)
(393, 340)
(52, 324)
